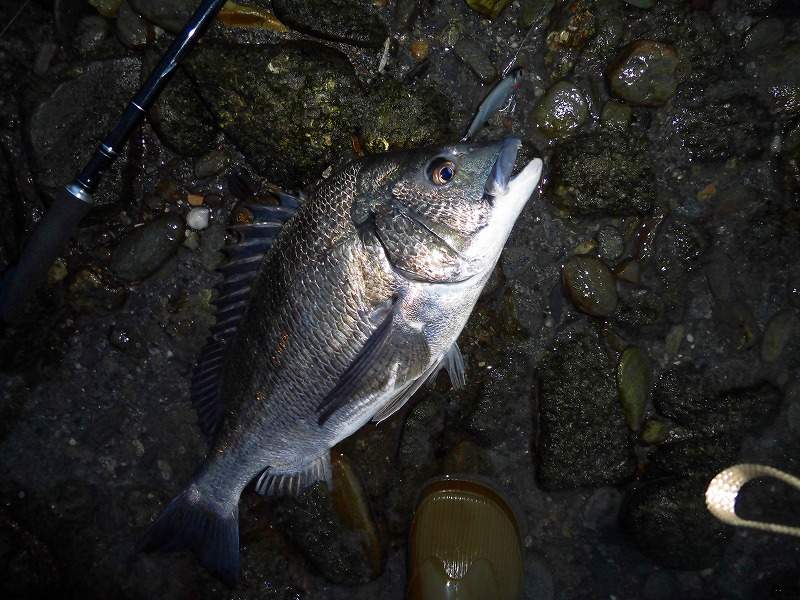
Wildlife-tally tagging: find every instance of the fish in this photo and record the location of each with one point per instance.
(501, 95)
(334, 310)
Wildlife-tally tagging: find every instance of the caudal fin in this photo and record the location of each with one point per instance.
(209, 529)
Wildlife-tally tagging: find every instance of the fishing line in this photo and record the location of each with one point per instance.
(516, 54)
(14, 18)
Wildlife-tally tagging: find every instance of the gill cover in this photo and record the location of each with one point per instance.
(426, 206)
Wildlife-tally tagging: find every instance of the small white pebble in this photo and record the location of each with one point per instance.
(689, 338)
(72, 442)
(198, 218)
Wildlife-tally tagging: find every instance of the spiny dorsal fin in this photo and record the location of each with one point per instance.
(257, 226)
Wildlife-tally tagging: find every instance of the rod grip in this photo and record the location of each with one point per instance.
(45, 244)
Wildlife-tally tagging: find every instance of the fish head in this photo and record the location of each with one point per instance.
(444, 214)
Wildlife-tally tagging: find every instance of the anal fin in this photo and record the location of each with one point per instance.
(290, 482)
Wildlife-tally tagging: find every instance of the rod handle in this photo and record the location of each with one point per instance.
(45, 244)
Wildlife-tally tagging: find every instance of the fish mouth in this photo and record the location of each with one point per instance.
(497, 184)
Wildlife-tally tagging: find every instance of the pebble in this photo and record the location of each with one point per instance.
(132, 30)
(654, 432)
(198, 218)
(92, 31)
(602, 509)
(562, 110)
(419, 50)
(630, 271)
(779, 331)
(616, 115)
(611, 243)
(591, 285)
(194, 199)
(634, 378)
(489, 8)
(92, 290)
(142, 252)
(107, 8)
(210, 164)
(763, 35)
(644, 73)
(476, 59)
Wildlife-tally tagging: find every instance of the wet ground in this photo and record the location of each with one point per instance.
(639, 335)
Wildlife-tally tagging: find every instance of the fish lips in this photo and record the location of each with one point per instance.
(497, 184)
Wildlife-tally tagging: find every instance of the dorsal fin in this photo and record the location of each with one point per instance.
(257, 226)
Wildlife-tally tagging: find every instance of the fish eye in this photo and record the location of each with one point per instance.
(441, 171)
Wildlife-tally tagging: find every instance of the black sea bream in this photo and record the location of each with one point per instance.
(336, 318)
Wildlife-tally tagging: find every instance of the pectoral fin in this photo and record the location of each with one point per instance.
(393, 345)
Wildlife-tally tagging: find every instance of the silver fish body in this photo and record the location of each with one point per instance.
(358, 302)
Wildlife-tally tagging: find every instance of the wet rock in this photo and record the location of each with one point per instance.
(107, 8)
(128, 340)
(736, 324)
(350, 21)
(562, 111)
(778, 77)
(590, 284)
(64, 129)
(634, 377)
(132, 29)
(654, 431)
(171, 16)
(646, 4)
(488, 8)
(405, 15)
(198, 217)
(638, 307)
(181, 120)
(534, 11)
(704, 456)
(602, 174)
(28, 566)
(679, 394)
(644, 73)
(92, 290)
(601, 511)
(583, 439)
(11, 233)
(715, 129)
(629, 271)
(763, 36)
(334, 530)
(92, 31)
(669, 523)
(396, 117)
(790, 165)
(679, 244)
(352, 507)
(469, 51)
(616, 115)
(290, 108)
(142, 252)
(419, 50)
(780, 330)
(233, 14)
(610, 243)
(572, 25)
(211, 164)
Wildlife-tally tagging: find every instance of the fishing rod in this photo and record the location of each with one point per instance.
(73, 202)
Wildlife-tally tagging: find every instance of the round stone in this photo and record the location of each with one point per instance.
(591, 285)
(644, 74)
(562, 110)
(198, 218)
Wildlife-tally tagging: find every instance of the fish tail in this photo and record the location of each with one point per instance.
(207, 527)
